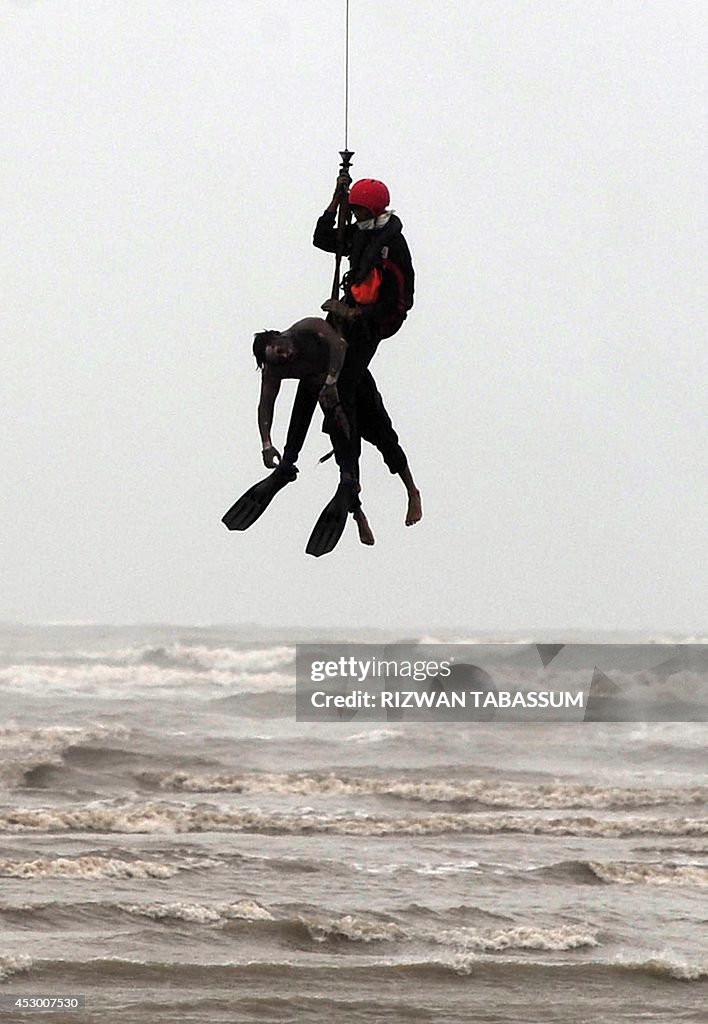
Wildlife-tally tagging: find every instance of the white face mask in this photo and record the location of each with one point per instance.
(375, 222)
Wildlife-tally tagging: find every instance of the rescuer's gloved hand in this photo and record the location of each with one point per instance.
(344, 180)
(341, 189)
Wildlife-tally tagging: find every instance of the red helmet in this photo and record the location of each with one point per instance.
(371, 194)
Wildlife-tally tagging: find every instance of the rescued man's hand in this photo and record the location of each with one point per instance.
(271, 457)
(340, 309)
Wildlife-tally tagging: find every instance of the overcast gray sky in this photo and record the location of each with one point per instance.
(163, 166)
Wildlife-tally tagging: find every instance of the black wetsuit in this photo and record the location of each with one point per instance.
(373, 422)
(358, 393)
(378, 248)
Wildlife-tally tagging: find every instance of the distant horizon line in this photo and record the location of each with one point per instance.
(488, 634)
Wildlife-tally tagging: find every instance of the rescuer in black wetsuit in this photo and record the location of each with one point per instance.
(378, 290)
(378, 293)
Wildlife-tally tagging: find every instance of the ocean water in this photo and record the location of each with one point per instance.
(175, 847)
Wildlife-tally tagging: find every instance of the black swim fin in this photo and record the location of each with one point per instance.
(251, 505)
(330, 526)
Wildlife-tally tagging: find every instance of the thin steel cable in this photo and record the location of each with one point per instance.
(346, 80)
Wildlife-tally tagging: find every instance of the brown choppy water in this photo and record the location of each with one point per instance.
(175, 847)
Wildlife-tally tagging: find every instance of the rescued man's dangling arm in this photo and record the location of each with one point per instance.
(270, 386)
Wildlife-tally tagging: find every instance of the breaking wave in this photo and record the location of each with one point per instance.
(197, 913)
(670, 967)
(22, 751)
(371, 736)
(666, 968)
(557, 939)
(10, 965)
(167, 817)
(371, 973)
(86, 867)
(351, 928)
(587, 872)
(631, 873)
(156, 670)
(201, 658)
(512, 795)
(194, 657)
(139, 679)
(321, 927)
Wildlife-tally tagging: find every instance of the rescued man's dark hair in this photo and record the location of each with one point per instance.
(260, 341)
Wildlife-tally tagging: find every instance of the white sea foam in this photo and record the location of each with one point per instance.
(377, 869)
(630, 873)
(320, 926)
(198, 657)
(446, 868)
(246, 910)
(199, 913)
(90, 867)
(551, 795)
(138, 679)
(556, 938)
(668, 965)
(453, 868)
(646, 687)
(371, 736)
(357, 929)
(10, 965)
(164, 817)
(193, 913)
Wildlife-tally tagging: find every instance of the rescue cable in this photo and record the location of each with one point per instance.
(346, 79)
(346, 154)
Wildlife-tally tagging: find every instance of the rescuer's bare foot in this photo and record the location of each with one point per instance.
(362, 525)
(414, 512)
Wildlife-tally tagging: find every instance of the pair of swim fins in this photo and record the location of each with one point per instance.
(330, 525)
(253, 503)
